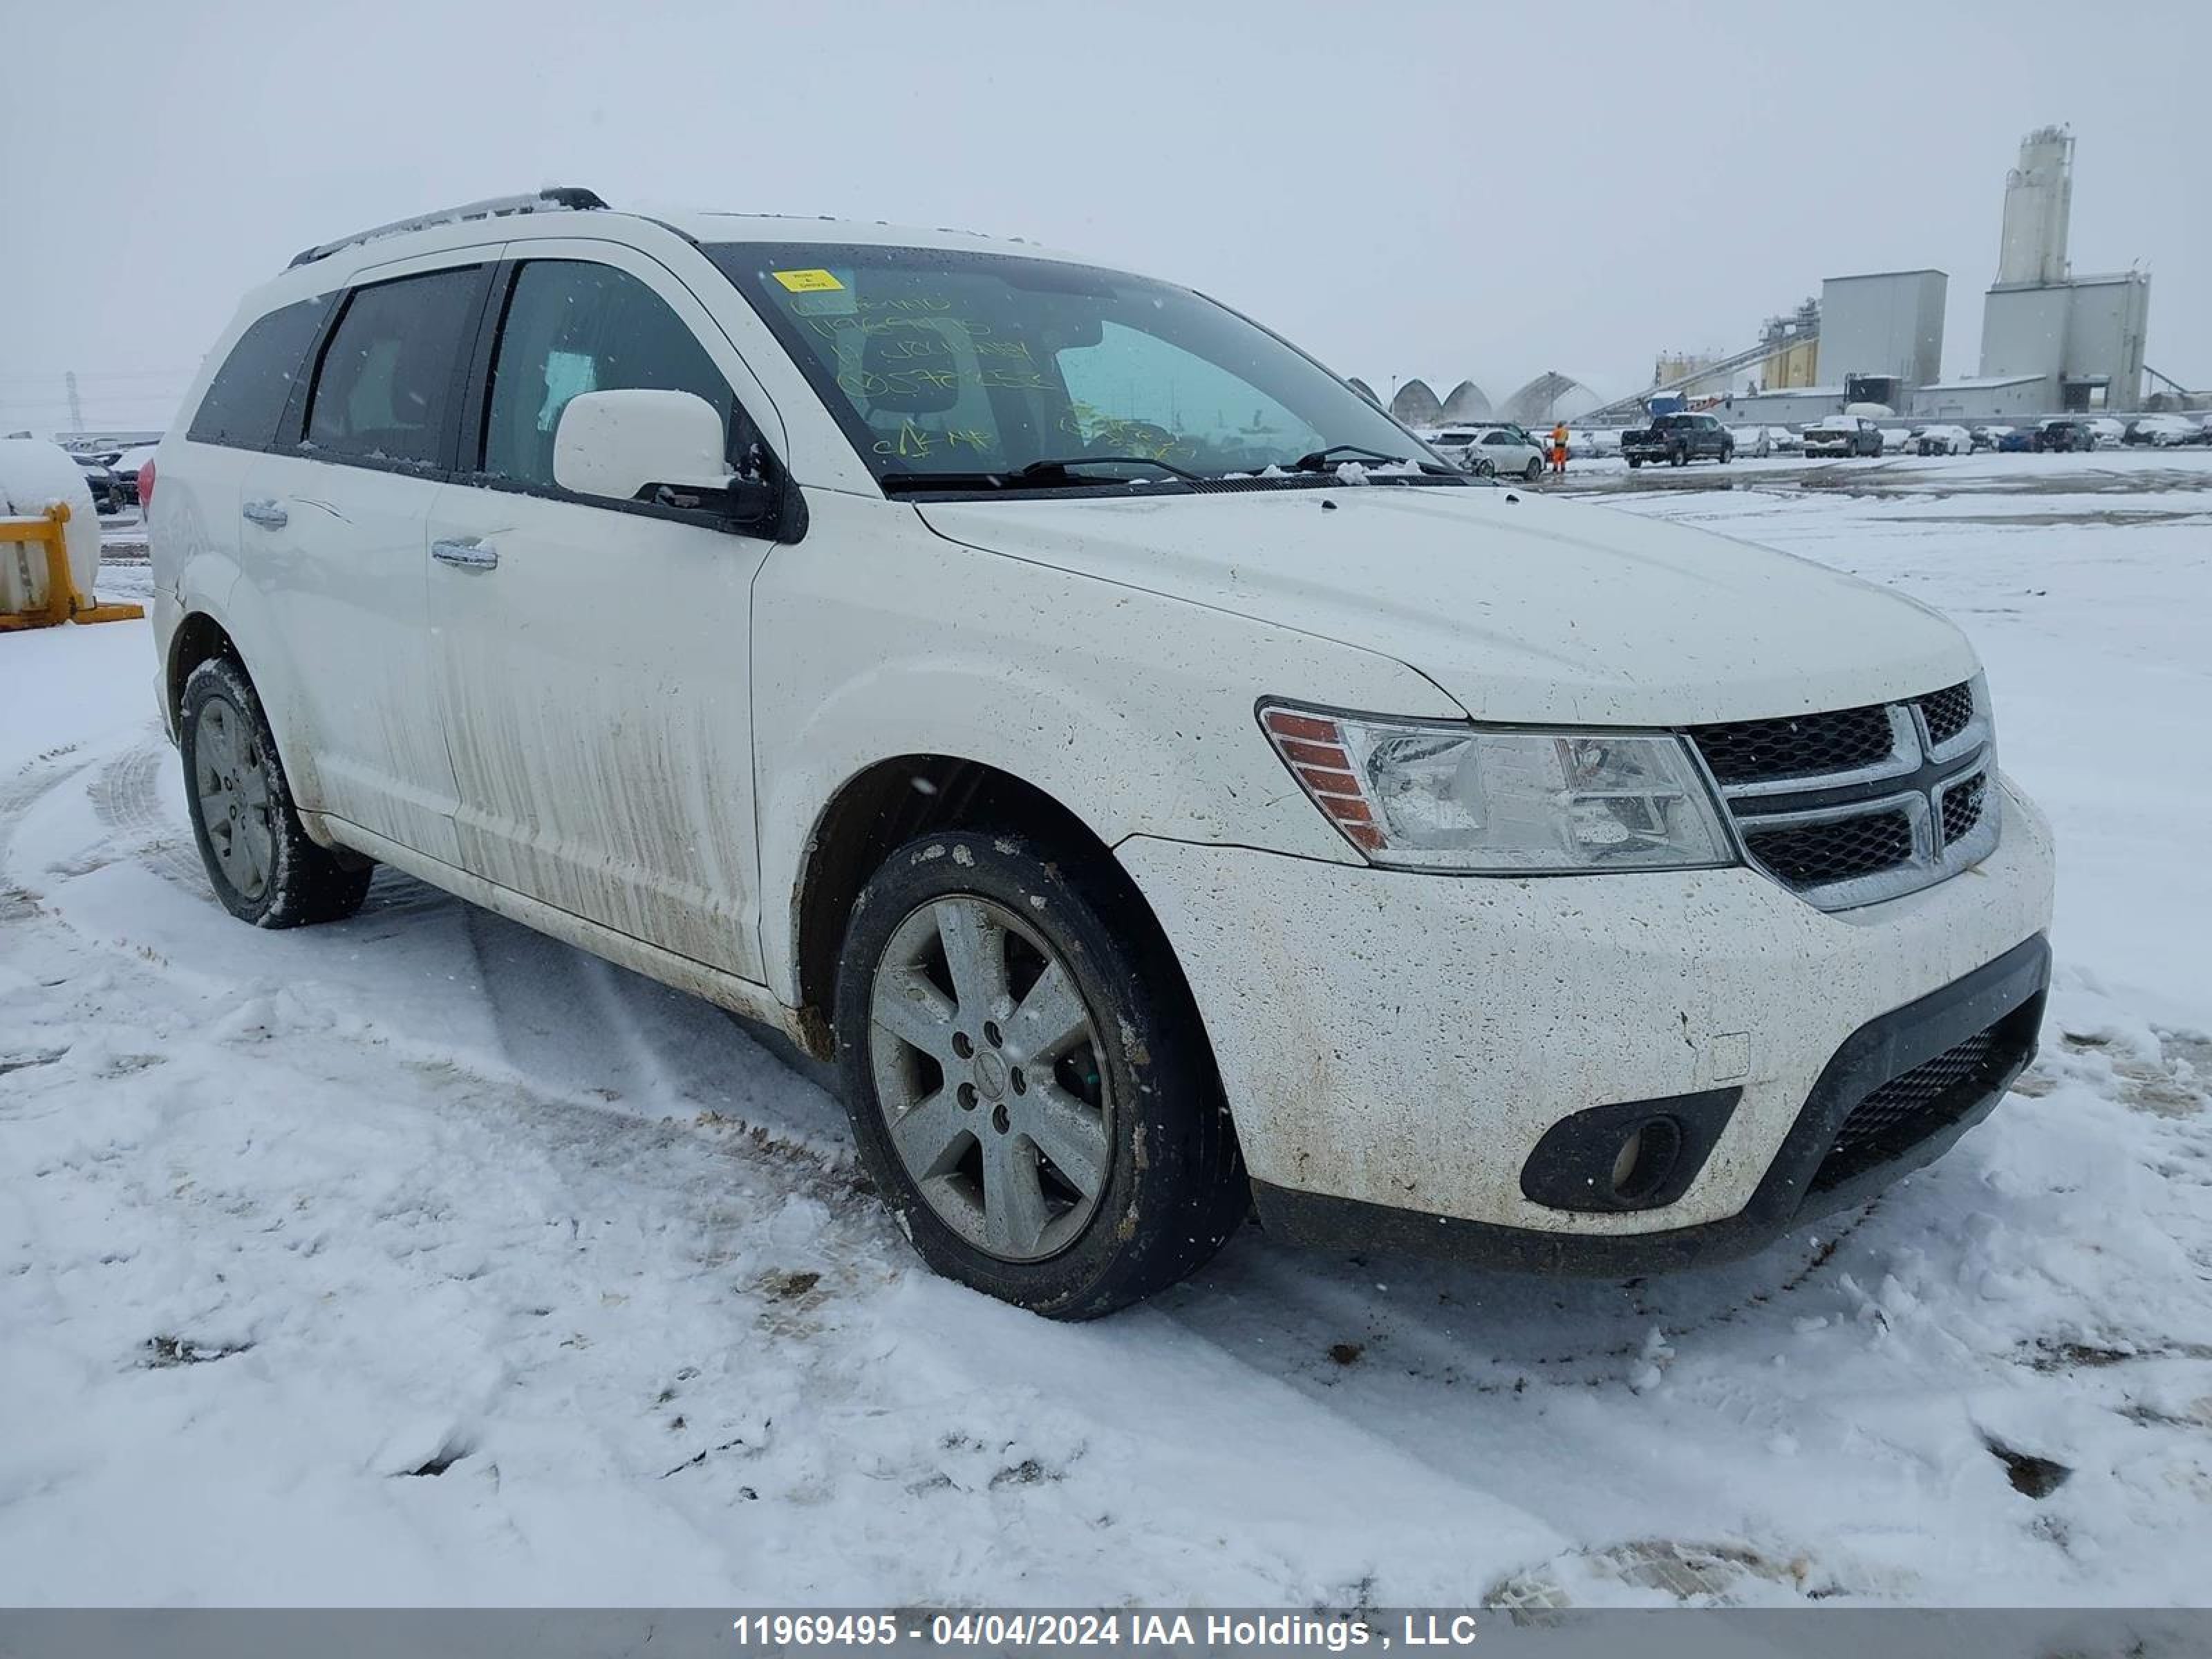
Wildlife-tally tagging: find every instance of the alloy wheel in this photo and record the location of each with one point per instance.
(987, 1066)
(231, 778)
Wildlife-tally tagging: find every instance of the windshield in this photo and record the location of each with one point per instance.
(945, 366)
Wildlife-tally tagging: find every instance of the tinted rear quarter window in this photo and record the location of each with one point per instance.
(246, 400)
(387, 377)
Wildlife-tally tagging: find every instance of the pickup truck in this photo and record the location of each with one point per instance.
(1678, 439)
(1842, 435)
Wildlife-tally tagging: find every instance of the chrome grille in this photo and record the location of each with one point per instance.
(1962, 806)
(1861, 804)
(1813, 854)
(1947, 713)
(1750, 751)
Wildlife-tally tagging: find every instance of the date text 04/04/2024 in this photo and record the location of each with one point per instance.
(1103, 1629)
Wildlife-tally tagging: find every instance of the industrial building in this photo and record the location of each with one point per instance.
(2052, 341)
(2081, 336)
(1874, 338)
(1881, 334)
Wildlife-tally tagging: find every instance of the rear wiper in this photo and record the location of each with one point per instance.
(1057, 471)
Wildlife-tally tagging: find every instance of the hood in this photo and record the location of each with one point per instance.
(1523, 609)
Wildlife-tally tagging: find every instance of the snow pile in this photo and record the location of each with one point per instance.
(35, 474)
(422, 1260)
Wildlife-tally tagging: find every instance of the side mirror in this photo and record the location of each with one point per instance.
(622, 443)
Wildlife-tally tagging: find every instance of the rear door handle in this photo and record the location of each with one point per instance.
(469, 554)
(267, 514)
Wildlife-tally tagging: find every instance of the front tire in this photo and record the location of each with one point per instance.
(1030, 1086)
(1533, 472)
(260, 861)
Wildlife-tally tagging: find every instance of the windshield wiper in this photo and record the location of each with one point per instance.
(1037, 473)
(1319, 460)
(1060, 468)
(895, 484)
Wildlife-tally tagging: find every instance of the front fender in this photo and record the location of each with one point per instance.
(876, 638)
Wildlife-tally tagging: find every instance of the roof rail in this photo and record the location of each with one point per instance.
(553, 198)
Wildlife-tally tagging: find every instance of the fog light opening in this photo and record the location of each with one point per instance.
(1646, 1155)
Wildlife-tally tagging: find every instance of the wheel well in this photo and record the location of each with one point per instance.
(891, 803)
(198, 638)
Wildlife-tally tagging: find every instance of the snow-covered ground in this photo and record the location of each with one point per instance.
(420, 1260)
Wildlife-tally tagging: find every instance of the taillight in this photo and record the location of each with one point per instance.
(146, 486)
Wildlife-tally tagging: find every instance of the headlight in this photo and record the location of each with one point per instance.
(1433, 796)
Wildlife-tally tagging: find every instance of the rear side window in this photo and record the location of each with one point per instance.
(246, 400)
(386, 382)
(573, 327)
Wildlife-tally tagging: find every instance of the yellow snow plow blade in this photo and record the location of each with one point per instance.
(63, 602)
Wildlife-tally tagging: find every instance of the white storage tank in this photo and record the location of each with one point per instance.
(33, 474)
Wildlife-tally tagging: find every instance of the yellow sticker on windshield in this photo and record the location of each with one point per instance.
(806, 282)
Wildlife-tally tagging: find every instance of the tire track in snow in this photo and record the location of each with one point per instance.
(126, 797)
(31, 784)
(1455, 1369)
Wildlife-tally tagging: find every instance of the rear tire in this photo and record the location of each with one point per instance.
(1677, 457)
(260, 861)
(1028, 1083)
(1635, 461)
(1485, 468)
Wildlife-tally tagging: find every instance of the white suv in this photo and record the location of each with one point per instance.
(1504, 451)
(1158, 782)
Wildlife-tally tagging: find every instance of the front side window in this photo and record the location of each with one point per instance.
(386, 382)
(244, 402)
(949, 367)
(572, 327)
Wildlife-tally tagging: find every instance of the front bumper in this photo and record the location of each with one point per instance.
(2006, 996)
(1402, 1043)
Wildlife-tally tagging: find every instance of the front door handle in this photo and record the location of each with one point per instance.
(468, 554)
(267, 514)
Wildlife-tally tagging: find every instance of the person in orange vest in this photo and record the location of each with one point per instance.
(1559, 450)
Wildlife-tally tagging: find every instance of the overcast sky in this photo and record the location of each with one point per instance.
(1443, 189)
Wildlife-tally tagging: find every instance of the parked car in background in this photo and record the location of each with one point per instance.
(2161, 432)
(2107, 432)
(126, 467)
(2064, 435)
(1785, 439)
(1987, 437)
(1842, 435)
(1944, 440)
(1679, 440)
(107, 489)
(1625, 926)
(1455, 444)
(1752, 440)
(1595, 441)
(2018, 441)
(1502, 450)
